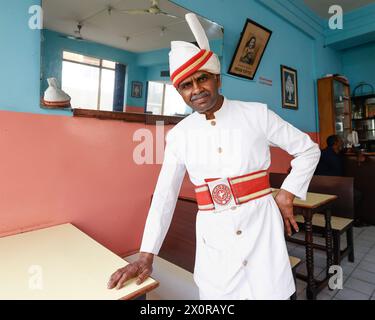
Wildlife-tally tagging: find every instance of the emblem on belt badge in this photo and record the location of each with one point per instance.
(221, 194)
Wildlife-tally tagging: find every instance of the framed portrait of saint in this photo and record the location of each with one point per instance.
(136, 89)
(250, 49)
(289, 88)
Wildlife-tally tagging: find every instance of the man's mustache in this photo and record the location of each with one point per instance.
(199, 96)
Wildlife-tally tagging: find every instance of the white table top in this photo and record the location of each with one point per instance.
(61, 262)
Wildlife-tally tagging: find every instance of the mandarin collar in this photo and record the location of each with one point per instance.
(216, 113)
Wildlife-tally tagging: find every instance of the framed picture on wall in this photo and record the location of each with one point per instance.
(289, 88)
(250, 49)
(136, 89)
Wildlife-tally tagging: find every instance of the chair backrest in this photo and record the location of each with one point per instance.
(343, 187)
(179, 243)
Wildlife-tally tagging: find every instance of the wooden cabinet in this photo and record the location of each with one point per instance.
(364, 177)
(335, 116)
(364, 120)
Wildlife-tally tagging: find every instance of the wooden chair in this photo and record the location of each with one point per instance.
(342, 211)
(339, 227)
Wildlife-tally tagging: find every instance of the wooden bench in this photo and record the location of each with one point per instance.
(339, 227)
(342, 211)
(177, 253)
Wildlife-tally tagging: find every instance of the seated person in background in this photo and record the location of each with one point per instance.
(331, 161)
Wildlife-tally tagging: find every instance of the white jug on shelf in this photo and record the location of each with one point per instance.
(355, 139)
(54, 96)
(352, 139)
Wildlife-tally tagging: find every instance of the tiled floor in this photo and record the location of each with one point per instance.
(359, 277)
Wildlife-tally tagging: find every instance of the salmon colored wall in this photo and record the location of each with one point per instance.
(134, 109)
(57, 169)
(281, 160)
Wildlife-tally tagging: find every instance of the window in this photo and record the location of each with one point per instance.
(163, 99)
(89, 81)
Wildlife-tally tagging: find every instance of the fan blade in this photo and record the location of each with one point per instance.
(85, 40)
(70, 37)
(65, 37)
(75, 38)
(135, 11)
(168, 14)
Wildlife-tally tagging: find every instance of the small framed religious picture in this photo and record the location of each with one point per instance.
(250, 49)
(136, 89)
(289, 87)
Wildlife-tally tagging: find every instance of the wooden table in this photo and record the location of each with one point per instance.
(314, 203)
(61, 262)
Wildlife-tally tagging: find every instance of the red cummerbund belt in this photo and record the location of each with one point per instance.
(242, 188)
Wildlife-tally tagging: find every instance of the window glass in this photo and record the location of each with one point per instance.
(81, 82)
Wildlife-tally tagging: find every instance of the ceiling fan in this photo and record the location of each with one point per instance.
(77, 34)
(154, 9)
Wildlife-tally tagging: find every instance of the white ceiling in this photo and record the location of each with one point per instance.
(321, 6)
(144, 31)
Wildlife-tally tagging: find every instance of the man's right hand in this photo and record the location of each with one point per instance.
(141, 268)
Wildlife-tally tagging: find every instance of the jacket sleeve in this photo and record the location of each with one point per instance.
(306, 153)
(165, 196)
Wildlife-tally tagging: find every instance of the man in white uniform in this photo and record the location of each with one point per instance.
(225, 148)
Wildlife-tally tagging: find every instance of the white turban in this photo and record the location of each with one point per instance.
(185, 58)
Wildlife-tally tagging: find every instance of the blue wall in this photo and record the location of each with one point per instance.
(289, 45)
(358, 29)
(359, 65)
(20, 58)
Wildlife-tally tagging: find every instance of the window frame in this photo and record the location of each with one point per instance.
(162, 108)
(147, 119)
(100, 66)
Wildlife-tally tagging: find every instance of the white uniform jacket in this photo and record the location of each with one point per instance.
(252, 263)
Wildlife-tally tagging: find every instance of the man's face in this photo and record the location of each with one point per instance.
(338, 144)
(200, 91)
(252, 43)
